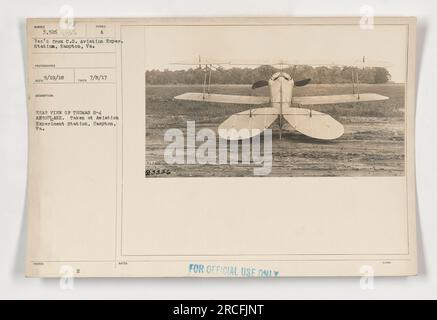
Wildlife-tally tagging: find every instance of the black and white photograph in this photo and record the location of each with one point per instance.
(278, 101)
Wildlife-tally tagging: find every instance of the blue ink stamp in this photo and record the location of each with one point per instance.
(200, 269)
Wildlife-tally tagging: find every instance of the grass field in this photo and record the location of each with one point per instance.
(372, 145)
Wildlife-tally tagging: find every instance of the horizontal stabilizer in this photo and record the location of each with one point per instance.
(342, 98)
(247, 124)
(313, 123)
(222, 98)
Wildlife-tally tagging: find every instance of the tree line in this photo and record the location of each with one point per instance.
(371, 75)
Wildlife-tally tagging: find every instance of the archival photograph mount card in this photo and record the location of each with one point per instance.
(221, 147)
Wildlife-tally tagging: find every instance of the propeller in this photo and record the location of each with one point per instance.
(299, 83)
(264, 83)
(260, 84)
(302, 83)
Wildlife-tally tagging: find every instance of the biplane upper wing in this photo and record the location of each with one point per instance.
(222, 98)
(342, 98)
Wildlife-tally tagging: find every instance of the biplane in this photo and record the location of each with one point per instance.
(280, 105)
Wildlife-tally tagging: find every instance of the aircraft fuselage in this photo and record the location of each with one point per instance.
(281, 91)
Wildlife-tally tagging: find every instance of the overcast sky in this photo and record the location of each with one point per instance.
(253, 44)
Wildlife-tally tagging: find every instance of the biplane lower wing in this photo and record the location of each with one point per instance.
(222, 98)
(247, 124)
(313, 123)
(342, 98)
